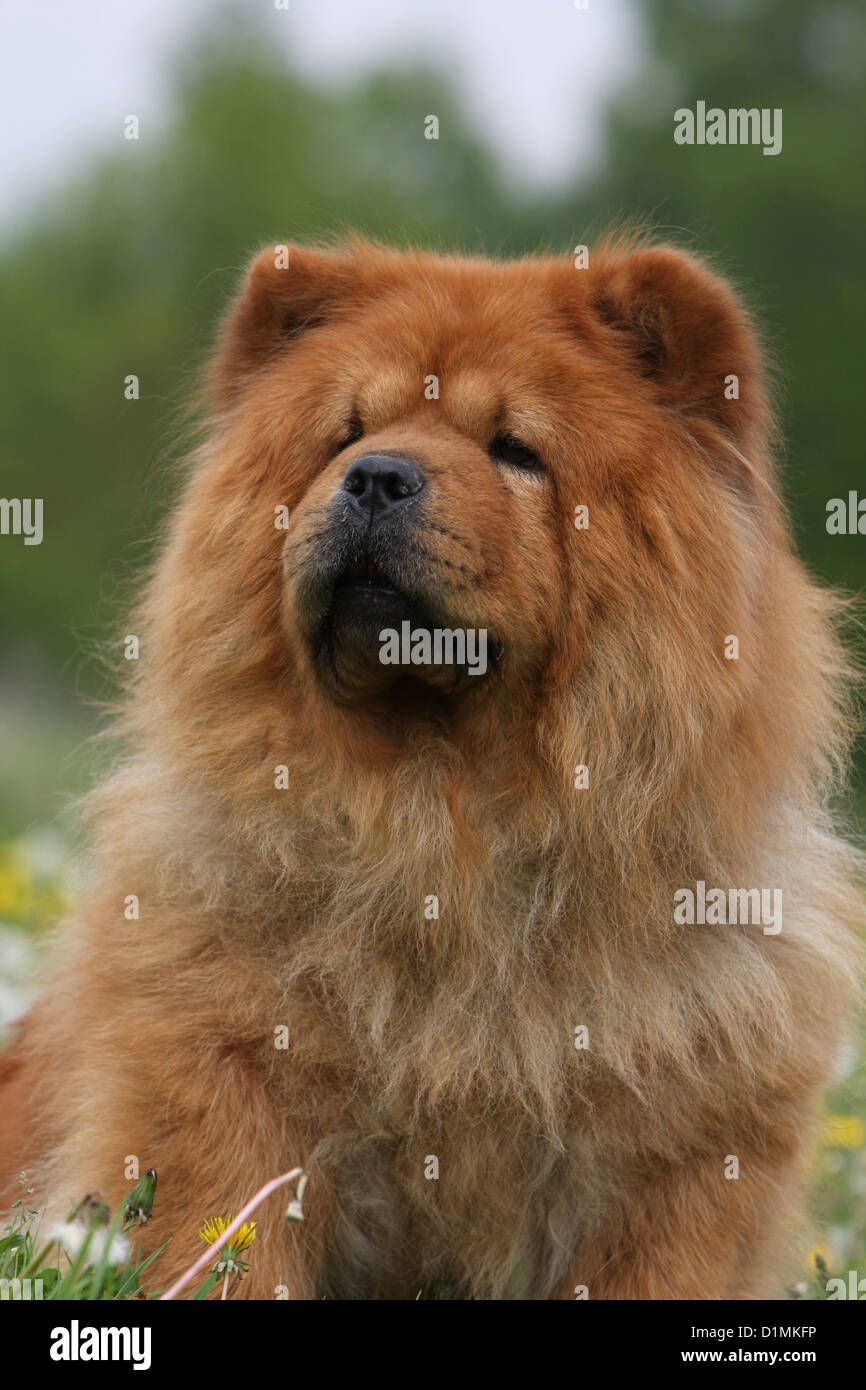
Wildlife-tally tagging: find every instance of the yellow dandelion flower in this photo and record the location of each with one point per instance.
(843, 1132)
(242, 1239)
(818, 1257)
(16, 888)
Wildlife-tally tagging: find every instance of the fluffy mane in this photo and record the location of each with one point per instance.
(414, 1034)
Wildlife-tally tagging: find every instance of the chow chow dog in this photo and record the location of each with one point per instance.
(486, 948)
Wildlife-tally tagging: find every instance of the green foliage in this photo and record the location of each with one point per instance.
(788, 228)
(92, 1255)
(86, 1258)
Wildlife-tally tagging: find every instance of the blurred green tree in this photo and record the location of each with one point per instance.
(128, 271)
(788, 229)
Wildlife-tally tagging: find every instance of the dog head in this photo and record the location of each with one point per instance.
(453, 493)
(491, 453)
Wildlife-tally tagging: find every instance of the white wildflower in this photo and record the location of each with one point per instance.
(71, 1235)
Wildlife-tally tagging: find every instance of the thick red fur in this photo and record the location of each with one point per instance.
(559, 1167)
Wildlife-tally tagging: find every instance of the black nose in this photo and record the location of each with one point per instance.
(382, 482)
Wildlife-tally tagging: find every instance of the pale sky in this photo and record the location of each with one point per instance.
(533, 73)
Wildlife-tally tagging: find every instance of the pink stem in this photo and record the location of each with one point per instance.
(205, 1259)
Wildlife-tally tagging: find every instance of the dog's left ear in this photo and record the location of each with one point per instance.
(682, 328)
(287, 290)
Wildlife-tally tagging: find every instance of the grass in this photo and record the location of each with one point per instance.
(92, 1256)
(89, 1257)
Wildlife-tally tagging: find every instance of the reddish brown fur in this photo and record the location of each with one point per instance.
(259, 907)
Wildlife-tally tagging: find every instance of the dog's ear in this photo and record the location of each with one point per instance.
(287, 290)
(683, 329)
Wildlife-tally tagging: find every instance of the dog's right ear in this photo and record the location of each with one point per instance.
(287, 290)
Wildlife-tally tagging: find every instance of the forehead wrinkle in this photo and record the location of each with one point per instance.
(527, 423)
(332, 412)
(472, 399)
(388, 391)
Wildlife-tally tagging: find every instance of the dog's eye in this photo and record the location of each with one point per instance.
(506, 449)
(352, 432)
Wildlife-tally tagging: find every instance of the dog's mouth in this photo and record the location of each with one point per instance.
(377, 637)
(366, 598)
(366, 575)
